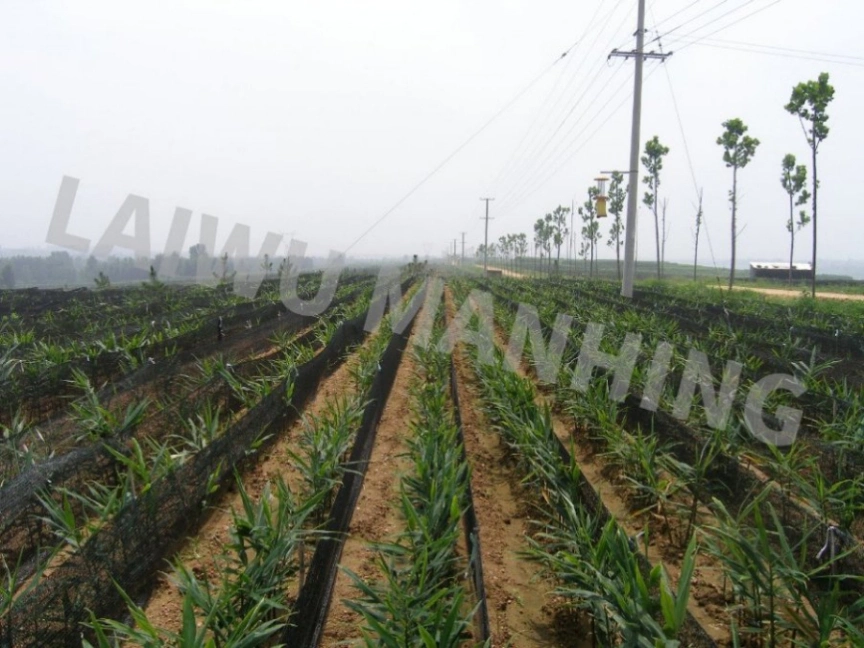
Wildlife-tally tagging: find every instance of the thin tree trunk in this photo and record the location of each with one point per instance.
(618, 254)
(734, 215)
(792, 232)
(656, 226)
(698, 227)
(663, 244)
(815, 189)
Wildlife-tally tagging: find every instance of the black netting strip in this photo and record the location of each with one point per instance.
(18, 498)
(129, 551)
(470, 523)
(41, 395)
(313, 603)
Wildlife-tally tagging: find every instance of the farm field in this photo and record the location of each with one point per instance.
(497, 461)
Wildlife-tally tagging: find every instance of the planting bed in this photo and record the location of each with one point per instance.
(300, 481)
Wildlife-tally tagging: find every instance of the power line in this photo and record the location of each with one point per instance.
(677, 13)
(545, 104)
(699, 15)
(789, 49)
(536, 169)
(753, 50)
(533, 169)
(690, 164)
(537, 150)
(582, 145)
(724, 27)
(526, 189)
(458, 149)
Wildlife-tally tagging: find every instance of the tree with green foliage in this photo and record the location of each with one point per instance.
(102, 281)
(7, 278)
(617, 194)
(267, 266)
(520, 247)
(653, 161)
(738, 150)
(793, 179)
(809, 102)
(591, 228)
(558, 224)
(543, 237)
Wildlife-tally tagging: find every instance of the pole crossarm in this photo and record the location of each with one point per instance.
(645, 55)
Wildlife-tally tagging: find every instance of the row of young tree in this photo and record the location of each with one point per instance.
(809, 102)
(551, 233)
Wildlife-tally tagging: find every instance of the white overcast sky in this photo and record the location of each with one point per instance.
(315, 118)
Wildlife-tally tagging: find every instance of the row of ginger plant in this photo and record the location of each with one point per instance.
(835, 407)
(837, 496)
(25, 444)
(772, 598)
(595, 564)
(73, 515)
(245, 603)
(421, 598)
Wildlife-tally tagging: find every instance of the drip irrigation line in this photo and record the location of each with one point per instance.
(469, 520)
(313, 604)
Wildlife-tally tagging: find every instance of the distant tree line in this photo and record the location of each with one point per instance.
(61, 269)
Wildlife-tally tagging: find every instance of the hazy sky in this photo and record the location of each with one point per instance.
(315, 118)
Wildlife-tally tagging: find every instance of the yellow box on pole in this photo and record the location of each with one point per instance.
(601, 206)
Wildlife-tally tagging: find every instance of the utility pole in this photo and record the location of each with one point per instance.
(463, 249)
(632, 199)
(486, 237)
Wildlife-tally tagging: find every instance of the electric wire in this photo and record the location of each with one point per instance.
(537, 169)
(754, 50)
(514, 155)
(533, 170)
(698, 39)
(677, 13)
(535, 153)
(456, 151)
(689, 159)
(704, 13)
(582, 145)
(790, 49)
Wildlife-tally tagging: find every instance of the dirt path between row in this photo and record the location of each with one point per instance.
(508, 273)
(522, 610)
(795, 294)
(376, 517)
(706, 602)
(164, 608)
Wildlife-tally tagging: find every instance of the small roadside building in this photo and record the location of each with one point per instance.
(766, 270)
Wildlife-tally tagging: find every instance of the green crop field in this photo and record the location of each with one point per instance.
(180, 466)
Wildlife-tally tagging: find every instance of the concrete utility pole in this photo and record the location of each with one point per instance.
(486, 237)
(463, 249)
(632, 198)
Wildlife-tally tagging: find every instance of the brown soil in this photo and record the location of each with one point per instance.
(376, 517)
(508, 273)
(154, 426)
(795, 294)
(522, 610)
(706, 603)
(164, 606)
